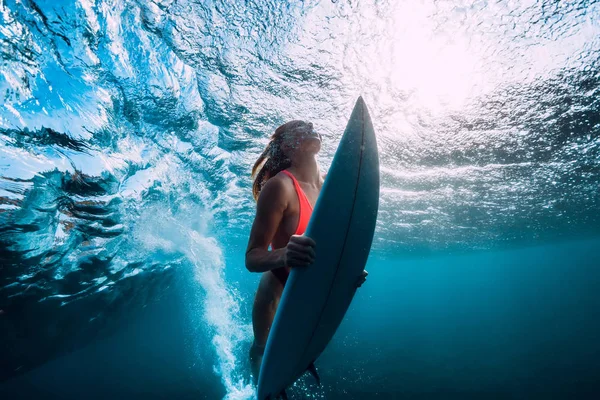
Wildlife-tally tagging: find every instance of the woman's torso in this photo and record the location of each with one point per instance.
(295, 219)
(270, 289)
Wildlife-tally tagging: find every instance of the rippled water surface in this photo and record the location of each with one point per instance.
(128, 129)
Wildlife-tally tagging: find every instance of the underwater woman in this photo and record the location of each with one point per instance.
(287, 183)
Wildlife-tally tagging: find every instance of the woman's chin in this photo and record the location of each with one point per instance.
(313, 146)
(313, 150)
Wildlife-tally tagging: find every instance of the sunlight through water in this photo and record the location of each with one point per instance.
(129, 127)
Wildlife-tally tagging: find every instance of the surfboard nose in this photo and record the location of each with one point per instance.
(360, 112)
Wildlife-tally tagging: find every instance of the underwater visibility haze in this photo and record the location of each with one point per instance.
(128, 129)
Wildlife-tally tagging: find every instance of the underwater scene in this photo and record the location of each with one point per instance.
(128, 133)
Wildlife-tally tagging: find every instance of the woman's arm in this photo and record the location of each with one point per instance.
(272, 203)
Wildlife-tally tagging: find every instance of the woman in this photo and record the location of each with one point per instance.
(287, 182)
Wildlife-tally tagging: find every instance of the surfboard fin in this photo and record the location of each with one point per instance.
(313, 371)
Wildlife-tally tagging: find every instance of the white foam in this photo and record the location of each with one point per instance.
(160, 228)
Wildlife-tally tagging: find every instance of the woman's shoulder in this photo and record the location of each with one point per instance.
(281, 182)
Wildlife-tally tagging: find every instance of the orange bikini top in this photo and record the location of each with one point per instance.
(305, 207)
(305, 213)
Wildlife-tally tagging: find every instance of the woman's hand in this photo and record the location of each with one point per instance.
(299, 252)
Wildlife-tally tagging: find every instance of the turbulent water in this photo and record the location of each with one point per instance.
(128, 129)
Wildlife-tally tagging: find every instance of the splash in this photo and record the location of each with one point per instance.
(184, 232)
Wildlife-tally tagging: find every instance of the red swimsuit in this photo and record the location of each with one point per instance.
(305, 213)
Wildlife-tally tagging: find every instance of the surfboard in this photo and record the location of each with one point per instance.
(316, 298)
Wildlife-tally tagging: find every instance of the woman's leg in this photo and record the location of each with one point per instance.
(256, 355)
(265, 304)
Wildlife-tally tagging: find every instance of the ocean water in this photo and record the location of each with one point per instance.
(127, 133)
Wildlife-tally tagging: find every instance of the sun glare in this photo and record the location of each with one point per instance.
(436, 69)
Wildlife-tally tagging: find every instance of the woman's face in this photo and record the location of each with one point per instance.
(303, 139)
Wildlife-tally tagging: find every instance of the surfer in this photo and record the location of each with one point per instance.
(287, 182)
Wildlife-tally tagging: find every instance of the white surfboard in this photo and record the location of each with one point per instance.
(316, 298)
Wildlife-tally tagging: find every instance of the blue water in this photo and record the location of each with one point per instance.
(520, 323)
(127, 132)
